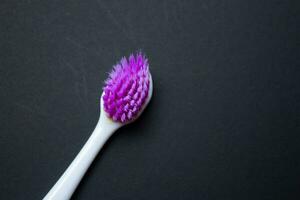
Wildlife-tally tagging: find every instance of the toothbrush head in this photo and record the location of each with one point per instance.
(128, 89)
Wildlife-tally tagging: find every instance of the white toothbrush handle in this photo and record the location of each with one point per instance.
(66, 185)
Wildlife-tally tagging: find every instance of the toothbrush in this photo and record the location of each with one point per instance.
(126, 94)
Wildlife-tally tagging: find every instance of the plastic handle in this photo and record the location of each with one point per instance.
(66, 185)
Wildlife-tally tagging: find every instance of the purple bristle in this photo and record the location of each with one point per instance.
(126, 88)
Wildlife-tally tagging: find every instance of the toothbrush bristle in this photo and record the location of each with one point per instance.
(126, 88)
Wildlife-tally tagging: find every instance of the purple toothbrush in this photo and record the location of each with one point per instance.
(126, 94)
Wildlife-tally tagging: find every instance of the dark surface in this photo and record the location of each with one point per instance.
(223, 122)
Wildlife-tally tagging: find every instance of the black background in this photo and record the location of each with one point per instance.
(223, 122)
